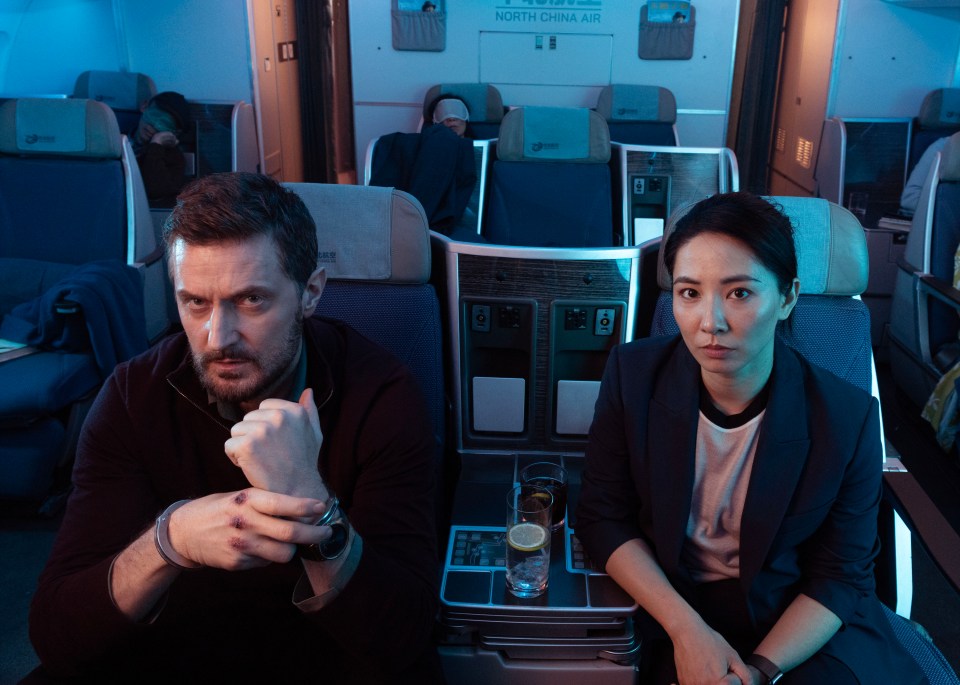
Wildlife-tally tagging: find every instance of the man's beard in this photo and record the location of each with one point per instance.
(237, 387)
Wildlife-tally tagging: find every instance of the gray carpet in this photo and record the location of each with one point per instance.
(25, 543)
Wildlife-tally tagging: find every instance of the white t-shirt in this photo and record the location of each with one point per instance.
(724, 461)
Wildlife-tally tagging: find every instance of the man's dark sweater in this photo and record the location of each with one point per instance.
(152, 439)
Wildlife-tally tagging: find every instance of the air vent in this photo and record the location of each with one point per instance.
(804, 152)
(781, 139)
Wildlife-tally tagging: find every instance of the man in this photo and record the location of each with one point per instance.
(241, 433)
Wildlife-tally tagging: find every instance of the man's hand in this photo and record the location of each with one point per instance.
(703, 657)
(145, 133)
(277, 446)
(245, 529)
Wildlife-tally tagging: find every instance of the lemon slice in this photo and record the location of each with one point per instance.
(527, 537)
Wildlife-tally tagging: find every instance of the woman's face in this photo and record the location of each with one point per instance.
(727, 305)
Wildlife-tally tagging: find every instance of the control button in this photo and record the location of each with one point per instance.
(575, 319)
(605, 322)
(480, 318)
(509, 317)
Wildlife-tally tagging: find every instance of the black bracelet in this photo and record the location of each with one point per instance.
(769, 670)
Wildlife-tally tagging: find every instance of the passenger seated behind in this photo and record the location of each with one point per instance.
(453, 113)
(911, 191)
(241, 432)
(436, 166)
(165, 119)
(730, 486)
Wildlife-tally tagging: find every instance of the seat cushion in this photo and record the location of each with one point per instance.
(28, 458)
(42, 383)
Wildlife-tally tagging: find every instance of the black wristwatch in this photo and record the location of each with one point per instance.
(333, 546)
(767, 668)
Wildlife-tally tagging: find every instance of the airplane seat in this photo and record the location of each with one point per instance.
(638, 114)
(82, 279)
(551, 185)
(484, 103)
(939, 117)
(830, 327)
(924, 323)
(374, 243)
(125, 92)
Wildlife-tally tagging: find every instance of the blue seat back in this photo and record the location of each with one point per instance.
(550, 185)
(62, 179)
(375, 245)
(638, 114)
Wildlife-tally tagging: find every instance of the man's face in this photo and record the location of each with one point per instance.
(241, 313)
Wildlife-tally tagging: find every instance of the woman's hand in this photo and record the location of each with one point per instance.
(703, 657)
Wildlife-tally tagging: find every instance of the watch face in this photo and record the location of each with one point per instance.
(333, 547)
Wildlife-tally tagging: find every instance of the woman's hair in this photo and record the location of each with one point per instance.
(748, 218)
(238, 206)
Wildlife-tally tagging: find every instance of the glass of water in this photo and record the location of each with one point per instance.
(529, 508)
(553, 477)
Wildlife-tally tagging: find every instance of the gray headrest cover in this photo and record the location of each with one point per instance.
(940, 108)
(368, 233)
(117, 89)
(70, 128)
(544, 134)
(628, 102)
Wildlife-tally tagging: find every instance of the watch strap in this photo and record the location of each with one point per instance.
(767, 668)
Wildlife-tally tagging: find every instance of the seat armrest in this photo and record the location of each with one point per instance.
(931, 528)
(941, 290)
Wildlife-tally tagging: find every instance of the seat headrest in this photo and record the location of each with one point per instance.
(950, 159)
(65, 128)
(125, 90)
(940, 109)
(629, 102)
(483, 100)
(554, 134)
(368, 233)
(831, 246)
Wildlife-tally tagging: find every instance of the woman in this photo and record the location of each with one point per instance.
(731, 487)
